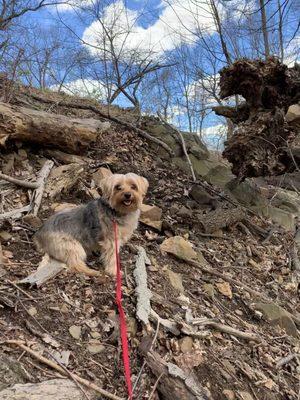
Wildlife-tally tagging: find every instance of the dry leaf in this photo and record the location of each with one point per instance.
(225, 289)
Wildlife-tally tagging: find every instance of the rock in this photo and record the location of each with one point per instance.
(175, 280)
(202, 197)
(57, 207)
(219, 176)
(209, 289)
(32, 311)
(186, 344)
(5, 236)
(293, 114)
(131, 327)
(75, 331)
(62, 179)
(100, 174)
(151, 216)
(229, 394)
(152, 212)
(95, 335)
(278, 316)
(282, 217)
(95, 347)
(245, 193)
(54, 389)
(32, 220)
(11, 372)
(179, 247)
(184, 212)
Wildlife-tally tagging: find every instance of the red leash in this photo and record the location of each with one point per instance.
(123, 327)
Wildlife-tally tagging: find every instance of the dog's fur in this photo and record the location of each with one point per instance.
(70, 235)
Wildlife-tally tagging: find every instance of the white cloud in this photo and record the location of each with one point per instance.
(70, 5)
(85, 88)
(292, 52)
(177, 22)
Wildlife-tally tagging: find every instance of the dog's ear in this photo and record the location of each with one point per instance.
(144, 184)
(106, 185)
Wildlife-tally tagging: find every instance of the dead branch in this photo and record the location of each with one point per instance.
(28, 185)
(15, 214)
(42, 177)
(169, 325)
(47, 269)
(143, 294)
(231, 331)
(221, 218)
(61, 370)
(174, 383)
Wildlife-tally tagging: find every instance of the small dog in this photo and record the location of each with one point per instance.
(70, 235)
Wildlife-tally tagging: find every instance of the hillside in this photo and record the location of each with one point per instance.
(226, 294)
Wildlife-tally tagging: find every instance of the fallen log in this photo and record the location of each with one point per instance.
(47, 129)
(174, 383)
(221, 218)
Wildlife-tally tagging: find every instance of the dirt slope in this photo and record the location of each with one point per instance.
(227, 366)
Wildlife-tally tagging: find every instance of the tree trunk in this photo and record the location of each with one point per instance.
(47, 129)
(264, 28)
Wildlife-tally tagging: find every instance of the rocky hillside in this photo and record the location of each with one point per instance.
(224, 279)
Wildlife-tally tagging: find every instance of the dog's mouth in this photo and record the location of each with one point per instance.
(127, 203)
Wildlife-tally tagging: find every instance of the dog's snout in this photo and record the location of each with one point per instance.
(127, 195)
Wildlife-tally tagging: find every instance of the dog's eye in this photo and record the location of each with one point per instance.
(133, 187)
(118, 187)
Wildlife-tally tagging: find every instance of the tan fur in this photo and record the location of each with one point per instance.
(115, 189)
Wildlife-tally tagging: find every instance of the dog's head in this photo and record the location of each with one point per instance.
(124, 193)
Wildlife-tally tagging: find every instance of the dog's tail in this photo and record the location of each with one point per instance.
(76, 264)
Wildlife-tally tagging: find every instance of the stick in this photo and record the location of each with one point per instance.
(143, 294)
(232, 331)
(286, 360)
(155, 386)
(169, 325)
(14, 214)
(42, 177)
(182, 144)
(21, 290)
(61, 370)
(28, 185)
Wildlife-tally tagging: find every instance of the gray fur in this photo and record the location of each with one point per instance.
(84, 223)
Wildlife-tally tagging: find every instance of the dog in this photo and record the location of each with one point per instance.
(71, 235)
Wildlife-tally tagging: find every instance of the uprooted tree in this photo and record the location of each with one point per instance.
(264, 142)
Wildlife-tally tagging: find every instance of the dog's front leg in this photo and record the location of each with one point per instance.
(108, 257)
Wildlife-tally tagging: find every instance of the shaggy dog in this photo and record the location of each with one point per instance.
(70, 235)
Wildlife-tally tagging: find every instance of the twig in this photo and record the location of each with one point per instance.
(28, 185)
(232, 331)
(286, 360)
(15, 214)
(169, 325)
(155, 386)
(42, 177)
(19, 289)
(182, 144)
(71, 376)
(58, 368)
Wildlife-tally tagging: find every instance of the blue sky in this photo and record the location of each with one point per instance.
(162, 24)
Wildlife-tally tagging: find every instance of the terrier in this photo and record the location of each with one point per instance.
(70, 235)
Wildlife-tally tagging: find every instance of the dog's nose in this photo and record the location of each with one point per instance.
(127, 195)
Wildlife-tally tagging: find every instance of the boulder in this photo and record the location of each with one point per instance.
(151, 216)
(179, 247)
(278, 316)
(293, 114)
(11, 372)
(100, 174)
